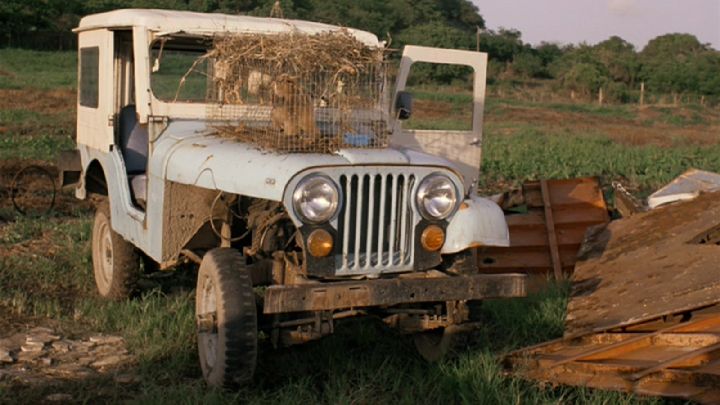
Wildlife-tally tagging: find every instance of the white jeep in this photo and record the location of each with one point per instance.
(287, 242)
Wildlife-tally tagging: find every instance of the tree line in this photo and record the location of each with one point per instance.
(677, 64)
(672, 64)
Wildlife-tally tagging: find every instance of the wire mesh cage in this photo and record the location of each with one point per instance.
(298, 93)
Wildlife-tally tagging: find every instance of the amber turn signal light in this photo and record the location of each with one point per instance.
(320, 243)
(432, 238)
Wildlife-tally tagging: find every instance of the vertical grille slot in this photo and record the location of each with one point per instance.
(375, 222)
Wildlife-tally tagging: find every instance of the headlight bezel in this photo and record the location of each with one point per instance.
(297, 195)
(423, 191)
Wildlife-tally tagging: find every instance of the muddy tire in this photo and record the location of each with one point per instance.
(116, 263)
(226, 318)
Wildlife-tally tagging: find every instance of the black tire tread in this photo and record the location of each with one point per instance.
(237, 336)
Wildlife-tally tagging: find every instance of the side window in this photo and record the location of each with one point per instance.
(442, 97)
(89, 85)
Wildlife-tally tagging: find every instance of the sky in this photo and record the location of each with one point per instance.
(592, 21)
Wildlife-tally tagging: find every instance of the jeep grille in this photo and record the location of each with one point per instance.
(375, 223)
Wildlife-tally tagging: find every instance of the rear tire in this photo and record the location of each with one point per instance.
(116, 264)
(226, 318)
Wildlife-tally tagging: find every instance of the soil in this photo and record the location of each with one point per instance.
(34, 191)
(41, 101)
(646, 128)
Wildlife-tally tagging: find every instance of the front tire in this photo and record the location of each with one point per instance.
(226, 318)
(116, 264)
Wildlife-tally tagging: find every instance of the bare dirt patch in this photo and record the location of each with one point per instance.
(42, 101)
(645, 128)
(38, 199)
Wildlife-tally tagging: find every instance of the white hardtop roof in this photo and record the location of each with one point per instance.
(169, 21)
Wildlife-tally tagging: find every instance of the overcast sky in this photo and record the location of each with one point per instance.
(592, 21)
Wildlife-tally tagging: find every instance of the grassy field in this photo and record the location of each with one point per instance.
(46, 275)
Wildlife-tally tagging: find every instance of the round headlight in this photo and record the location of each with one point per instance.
(436, 197)
(316, 199)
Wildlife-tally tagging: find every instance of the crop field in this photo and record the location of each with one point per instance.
(46, 273)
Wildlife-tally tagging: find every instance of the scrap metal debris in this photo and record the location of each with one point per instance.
(685, 187)
(644, 310)
(545, 238)
(674, 358)
(626, 204)
(646, 266)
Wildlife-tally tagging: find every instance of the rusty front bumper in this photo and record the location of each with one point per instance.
(388, 292)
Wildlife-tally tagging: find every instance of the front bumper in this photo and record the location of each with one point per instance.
(389, 292)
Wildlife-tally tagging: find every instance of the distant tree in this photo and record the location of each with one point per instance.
(619, 60)
(669, 63)
(584, 78)
(548, 52)
(707, 66)
(502, 45)
(439, 35)
(528, 65)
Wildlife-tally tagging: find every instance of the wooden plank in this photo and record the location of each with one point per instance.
(652, 363)
(675, 360)
(552, 238)
(524, 258)
(644, 267)
(641, 340)
(563, 216)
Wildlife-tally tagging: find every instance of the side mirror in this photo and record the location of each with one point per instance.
(403, 105)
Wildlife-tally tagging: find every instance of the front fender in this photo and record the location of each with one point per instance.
(478, 222)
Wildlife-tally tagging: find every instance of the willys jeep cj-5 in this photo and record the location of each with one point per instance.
(360, 217)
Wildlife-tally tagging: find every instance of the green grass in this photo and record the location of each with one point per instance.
(535, 154)
(364, 362)
(34, 135)
(46, 277)
(20, 68)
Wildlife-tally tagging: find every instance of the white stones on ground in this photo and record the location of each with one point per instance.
(41, 337)
(106, 340)
(62, 346)
(35, 356)
(59, 397)
(109, 361)
(23, 356)
(32, 346)
(41, 329)
(126, 379)
(5, 356)
(13, 342)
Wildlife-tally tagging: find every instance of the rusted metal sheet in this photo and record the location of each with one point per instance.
(539, 246)
(358, 294)
(649, 265)
(685, 187)
(673, 359)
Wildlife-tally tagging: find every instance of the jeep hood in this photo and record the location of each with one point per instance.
(187, 152)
